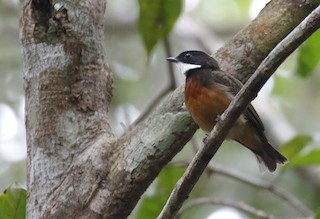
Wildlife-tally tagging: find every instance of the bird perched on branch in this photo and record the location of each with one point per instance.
(208, 93)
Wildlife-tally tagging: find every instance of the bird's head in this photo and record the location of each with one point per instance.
(194, 59)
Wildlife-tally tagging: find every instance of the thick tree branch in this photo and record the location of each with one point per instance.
(240, 102)
(251, 45)
(145, 151)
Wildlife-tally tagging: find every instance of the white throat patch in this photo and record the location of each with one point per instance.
(184, 67)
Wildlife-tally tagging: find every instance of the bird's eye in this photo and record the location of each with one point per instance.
(187, 56)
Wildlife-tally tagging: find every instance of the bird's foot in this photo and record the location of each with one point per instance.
(204, 140)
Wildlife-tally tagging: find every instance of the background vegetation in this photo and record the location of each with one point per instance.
(136, 49)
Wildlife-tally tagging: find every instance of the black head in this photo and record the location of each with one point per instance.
(195, 57)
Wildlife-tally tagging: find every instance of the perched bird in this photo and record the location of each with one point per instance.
(208, 93)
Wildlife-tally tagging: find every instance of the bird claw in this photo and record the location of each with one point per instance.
(218, 119)
(204, 140)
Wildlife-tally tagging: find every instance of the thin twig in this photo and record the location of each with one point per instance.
(284, 195)
(172, 85)
(195, 169)
(237, 205)
(172, 79)
(150, 107)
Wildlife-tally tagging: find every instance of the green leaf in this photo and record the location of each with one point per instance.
(13, 203)
(157, 19)
(152, 204)
(292, 148)
(317, 216)
(310, 159)
(309, 55)
(243, 5)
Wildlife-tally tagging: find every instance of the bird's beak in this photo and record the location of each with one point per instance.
(172, 59)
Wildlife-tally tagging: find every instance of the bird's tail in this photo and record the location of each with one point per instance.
(269, 157)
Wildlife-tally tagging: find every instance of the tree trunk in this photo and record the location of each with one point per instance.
(68, 87)
(77, 168)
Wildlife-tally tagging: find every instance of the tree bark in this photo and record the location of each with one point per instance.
(68, 87)
(77, 168)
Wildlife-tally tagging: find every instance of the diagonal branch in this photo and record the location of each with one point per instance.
(240, 102)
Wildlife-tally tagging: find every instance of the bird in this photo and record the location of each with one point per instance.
(209, 91)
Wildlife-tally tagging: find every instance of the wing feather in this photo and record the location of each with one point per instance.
(233, 85)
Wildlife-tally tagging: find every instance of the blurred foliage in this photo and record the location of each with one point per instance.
(309, 55)
(294, 151)
(312, 158)
(13, 203)
(293, 147)
(156, 20)
(318, 214)
(243, 6)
